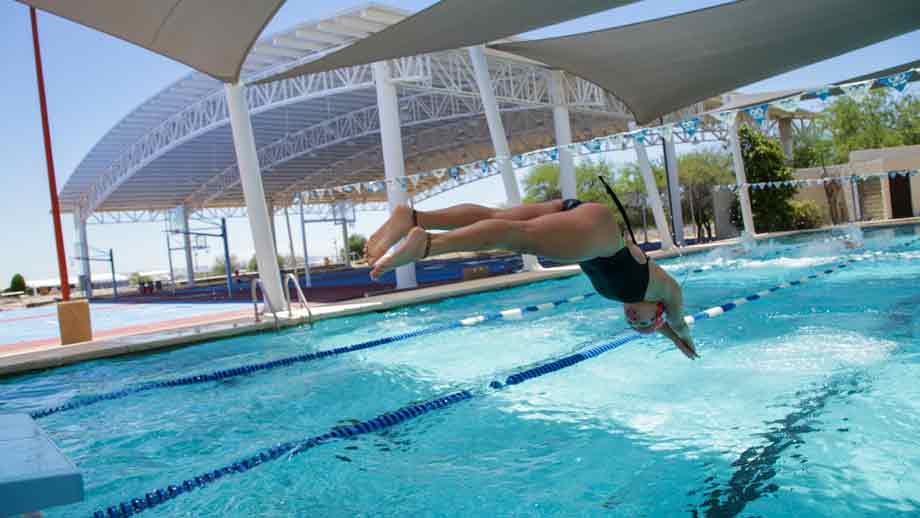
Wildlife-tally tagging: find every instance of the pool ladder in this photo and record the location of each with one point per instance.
(302, 299)
(300, 296)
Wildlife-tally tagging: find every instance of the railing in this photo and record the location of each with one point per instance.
(301, 297)
(256, 284)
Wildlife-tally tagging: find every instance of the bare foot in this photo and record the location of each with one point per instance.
(399, 224)
(412, 249)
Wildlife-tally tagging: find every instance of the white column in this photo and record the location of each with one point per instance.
(499, 140)
(785, 137)
(82, 251)
(306, 256)
(746, 214)
(394, 164)
(562, 125)
(271, 219)
(345, 243)
(187, 247)
(251, 182)
(677, 213)
(290, 233)
(654, 198)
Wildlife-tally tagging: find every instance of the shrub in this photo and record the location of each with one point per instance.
(805, 214)
(17, 284)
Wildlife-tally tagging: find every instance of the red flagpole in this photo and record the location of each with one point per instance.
(52, 184)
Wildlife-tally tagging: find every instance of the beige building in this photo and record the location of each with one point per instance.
(873, 199)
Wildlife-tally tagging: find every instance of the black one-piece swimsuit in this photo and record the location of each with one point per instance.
(618, 277)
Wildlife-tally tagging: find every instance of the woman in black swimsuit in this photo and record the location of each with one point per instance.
(565, 231)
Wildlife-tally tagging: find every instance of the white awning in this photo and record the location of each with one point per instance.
(211, 37)
(662, 65)
(452, 24)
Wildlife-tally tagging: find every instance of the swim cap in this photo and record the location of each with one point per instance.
(646, 326)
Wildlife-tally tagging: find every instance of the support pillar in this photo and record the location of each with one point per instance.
(568, 183)
(885, 191)
(271, 219)
(345, 243)
(677, 213)
(86, 282)
(290, 233)
(785, 138)
(307, 281)
(499, 140)
(187, 247)
(394, 164)
(254, 194)
(654, 198)
(747, 214)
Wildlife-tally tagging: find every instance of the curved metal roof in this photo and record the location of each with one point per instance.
(321, 129)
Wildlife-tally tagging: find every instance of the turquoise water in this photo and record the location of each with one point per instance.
(804, 403)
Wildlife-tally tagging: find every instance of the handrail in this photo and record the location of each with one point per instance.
(303, 299)
(257, 283)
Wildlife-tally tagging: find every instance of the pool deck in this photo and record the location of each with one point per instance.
(48, 353)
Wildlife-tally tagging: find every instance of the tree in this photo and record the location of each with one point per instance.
(219, 269)
(764, 161)
(542, 184)
(699, 172)
(253, 264)
(136, 279)
(356, 244)
(17, 284)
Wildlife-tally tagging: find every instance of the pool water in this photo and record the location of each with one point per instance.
(804, 403)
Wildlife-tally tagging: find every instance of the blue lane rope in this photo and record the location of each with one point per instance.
(381, 422)
(508, 314)
(406, 413)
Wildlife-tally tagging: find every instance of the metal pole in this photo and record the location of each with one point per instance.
(307, 282)
(563, 128)
(187, 243)
(345, 242)
(645, 217)
(672, 174)
(225, 238)
(654, 198)
(49, 159)
(114, 280)
(287, 220)
(172, 273)
(747, 215)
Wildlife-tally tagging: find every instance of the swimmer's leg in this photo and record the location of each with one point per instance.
(585, 232)
(400, 222)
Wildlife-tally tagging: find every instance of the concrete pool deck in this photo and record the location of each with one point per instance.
(43, 354)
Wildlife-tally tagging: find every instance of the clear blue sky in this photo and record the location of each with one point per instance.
(93, 80)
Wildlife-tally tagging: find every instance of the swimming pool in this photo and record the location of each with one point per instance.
(804, 403)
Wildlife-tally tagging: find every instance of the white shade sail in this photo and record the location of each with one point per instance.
(662, 65)
(452, 24)
(211, 37)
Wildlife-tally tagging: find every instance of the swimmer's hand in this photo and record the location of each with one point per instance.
(681, 338)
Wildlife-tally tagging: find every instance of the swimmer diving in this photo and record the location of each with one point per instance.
(568, 231)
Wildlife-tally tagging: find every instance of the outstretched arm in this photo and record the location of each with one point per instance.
(663, 287)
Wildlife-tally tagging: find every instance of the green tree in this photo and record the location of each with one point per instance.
(699, 172)
(356, 244)
(253, 264)
(542, 184)
(136, 279)
(18, 283)
(218, 268)
(764, 161)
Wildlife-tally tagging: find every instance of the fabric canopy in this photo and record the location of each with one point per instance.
(663, 65)
(211, 37)
(452, 24)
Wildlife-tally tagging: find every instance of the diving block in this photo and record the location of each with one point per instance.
(34, 474)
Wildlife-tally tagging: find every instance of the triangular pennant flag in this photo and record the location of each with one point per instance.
(789, 104)
(616, 141)
(594, 146)
(454, 172)
(857, 91)
(897, 81)
(758, 113)
(639, 136)
(518, 161)
(552, 154)
(822, 93)
(402, 182)
(348, 188)
(726, 117)
(690, 126)
(667, 131)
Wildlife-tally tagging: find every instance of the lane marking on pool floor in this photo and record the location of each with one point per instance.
(406, 413)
